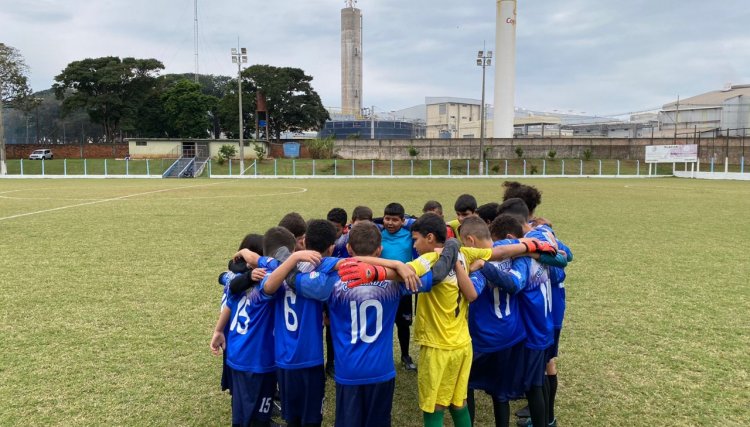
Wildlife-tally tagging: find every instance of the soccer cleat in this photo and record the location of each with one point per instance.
(523, 412)
(553, 423)
(524, 422)
(408, 363)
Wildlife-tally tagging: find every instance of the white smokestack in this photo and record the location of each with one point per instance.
(505, 68)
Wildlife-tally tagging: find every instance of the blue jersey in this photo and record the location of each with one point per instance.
(494, 319)
(557, 280)
(298, 322)
(339, 247)
(534, 302)
(250, 333)
(398, 245)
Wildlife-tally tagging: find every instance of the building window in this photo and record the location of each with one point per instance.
(443, 109)
(141, 143)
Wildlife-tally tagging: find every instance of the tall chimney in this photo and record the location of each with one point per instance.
(505, 68)
(351, 60)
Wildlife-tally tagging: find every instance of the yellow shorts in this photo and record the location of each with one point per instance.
(443, 376)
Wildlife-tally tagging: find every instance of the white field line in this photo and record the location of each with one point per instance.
(103, 201)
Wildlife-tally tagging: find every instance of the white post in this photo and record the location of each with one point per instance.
(65, 167)
(726, 164)
(148, 169)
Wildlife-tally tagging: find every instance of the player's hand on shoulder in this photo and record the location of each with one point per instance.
(258, 274)
(312, 257)
(476, 265)
(409, 276)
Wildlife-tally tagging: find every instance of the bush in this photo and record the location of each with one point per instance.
(519, 152)
(587, 154)
(533, 170)
(413, 151)
(226, 152)
(551, 154)
(496, 168)
(321, 148)
(260, 152)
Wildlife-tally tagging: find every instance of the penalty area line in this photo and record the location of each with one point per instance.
(113, 199)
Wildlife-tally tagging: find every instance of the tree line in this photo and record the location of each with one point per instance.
(110, 98)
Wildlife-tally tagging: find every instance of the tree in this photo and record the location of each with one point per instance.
(187, 110)
(14, 85)
(293, 105)
(109, 89)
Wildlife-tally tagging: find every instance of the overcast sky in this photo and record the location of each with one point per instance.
(601, 57)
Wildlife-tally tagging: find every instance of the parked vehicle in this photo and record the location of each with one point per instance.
(41, 155)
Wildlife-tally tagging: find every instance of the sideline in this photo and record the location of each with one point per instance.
(105, 200)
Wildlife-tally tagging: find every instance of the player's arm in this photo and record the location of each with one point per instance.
(465, 285)
(218, 340)
(273, 281)
(497, 277)
(525, 246)
(558, 260)
(250, 257)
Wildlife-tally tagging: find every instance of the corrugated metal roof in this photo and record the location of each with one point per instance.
(710, 99)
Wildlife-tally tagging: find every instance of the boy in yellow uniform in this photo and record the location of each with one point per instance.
(441, 327)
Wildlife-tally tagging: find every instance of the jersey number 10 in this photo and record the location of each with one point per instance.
(359, 320)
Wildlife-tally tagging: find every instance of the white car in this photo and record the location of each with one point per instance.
(41, 155)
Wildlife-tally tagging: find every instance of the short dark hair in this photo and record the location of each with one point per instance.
(488, 211)
(337, 216)
(476, 227)
(362, 213)
(364, 238)
(321, 234)
(294, 223)
(394, 209)
(465, 202)
(254, 242)
(530, 195)
(514, 206)
(506, 224)
(431, 206)
(277, 237)
(430, 223)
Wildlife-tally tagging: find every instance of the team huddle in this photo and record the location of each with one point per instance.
(490, 299)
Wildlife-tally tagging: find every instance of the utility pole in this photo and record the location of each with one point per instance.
(195, 37)
(484, 60)
(676, 119)
(239, 56)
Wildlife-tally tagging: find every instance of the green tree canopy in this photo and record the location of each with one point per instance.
(187, 110)
(292, 103)
(14, 84)
(111, 90)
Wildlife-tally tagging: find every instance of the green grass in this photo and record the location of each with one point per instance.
(108, 295)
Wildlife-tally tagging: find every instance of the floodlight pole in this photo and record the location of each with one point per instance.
(239, 55)
(484, 60)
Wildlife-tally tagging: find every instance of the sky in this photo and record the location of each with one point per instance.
(598, 57)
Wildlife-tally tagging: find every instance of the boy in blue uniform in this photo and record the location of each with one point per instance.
(497, 331)
(298, 330)
(534, 307)
(250, 319)
(397, 245)
(338, 218)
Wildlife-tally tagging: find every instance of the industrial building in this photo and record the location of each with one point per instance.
(720, 112)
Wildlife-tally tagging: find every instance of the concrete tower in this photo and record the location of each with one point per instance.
(351, 59)
(505, 68)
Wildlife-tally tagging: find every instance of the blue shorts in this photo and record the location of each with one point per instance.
(226, 374)
(534, 367)
(499, 373)
(302, 392)
(367, 405)
(252, 396)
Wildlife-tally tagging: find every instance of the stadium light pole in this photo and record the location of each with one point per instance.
(484, 60)
(239, 57)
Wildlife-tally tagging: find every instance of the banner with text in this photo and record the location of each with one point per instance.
(671, 153)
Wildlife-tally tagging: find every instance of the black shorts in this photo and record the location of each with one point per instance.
(226, 374)
(366, 405)
(302, 392)
(535, 365)
(500, 373)
(252, 396)
(553, 350)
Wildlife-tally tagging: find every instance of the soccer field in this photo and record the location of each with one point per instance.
(108, 295)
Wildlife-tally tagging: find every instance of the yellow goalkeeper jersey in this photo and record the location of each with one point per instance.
(442, 313)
